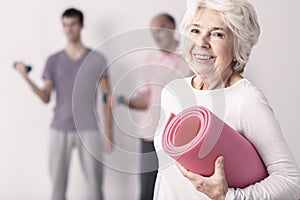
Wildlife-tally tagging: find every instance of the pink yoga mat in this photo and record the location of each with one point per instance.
(196, 137)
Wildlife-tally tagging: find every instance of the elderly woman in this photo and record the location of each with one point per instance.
(223, 33)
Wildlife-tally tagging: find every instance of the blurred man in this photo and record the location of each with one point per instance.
(163, 66)
(59, 75)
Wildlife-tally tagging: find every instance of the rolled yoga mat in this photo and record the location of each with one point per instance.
(196, 137)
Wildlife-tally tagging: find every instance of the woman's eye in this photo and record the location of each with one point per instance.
(218, 35)
(195, 30)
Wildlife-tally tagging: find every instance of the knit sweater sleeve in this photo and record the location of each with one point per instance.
(260, 127)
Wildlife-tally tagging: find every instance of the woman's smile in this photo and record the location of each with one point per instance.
(204, 58)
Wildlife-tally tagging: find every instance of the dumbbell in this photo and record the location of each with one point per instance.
(28, 68)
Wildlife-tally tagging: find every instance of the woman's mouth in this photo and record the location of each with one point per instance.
(203, 58)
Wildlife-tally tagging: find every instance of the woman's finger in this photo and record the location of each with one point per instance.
(219, 167)
(182, 169)
(190, 175)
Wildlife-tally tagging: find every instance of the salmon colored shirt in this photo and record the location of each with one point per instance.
(161, 67)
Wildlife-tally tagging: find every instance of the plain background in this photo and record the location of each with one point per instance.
(31, 30)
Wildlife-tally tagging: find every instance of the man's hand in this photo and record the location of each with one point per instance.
(43, 93)
(108, 141)
(20, 67)
(215, 186)
(112, 100)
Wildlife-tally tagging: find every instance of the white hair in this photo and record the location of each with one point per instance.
(239, 16)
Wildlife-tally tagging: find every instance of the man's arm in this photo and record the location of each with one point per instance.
(43, 93)
(108, 115)
(139, 101)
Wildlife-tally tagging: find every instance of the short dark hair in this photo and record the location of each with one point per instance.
(169, 18)
(73, 12)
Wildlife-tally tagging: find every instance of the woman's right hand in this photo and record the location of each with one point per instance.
(215, 186)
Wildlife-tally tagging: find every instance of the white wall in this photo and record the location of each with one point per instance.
(31, 30)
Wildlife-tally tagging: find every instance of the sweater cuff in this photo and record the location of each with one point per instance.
(230, 194)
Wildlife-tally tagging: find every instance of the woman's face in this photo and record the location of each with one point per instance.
(211, 48)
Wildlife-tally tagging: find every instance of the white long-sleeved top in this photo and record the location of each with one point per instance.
(244, 108)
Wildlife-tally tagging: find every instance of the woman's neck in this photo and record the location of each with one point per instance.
(215, 82)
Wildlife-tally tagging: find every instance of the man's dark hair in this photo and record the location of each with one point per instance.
(169, 18)
(73, 12)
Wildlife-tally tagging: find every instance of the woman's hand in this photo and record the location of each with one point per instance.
(215, 186)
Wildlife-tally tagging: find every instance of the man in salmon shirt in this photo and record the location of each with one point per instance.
(163, 65)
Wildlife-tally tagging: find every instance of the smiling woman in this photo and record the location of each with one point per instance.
(238, 17)
(219, 37)
(212, 50)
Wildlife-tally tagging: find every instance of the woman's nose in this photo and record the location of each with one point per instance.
(202, 41)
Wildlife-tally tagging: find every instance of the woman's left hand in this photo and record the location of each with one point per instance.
(215, 186)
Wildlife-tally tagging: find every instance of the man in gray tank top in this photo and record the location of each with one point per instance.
(60, 75)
